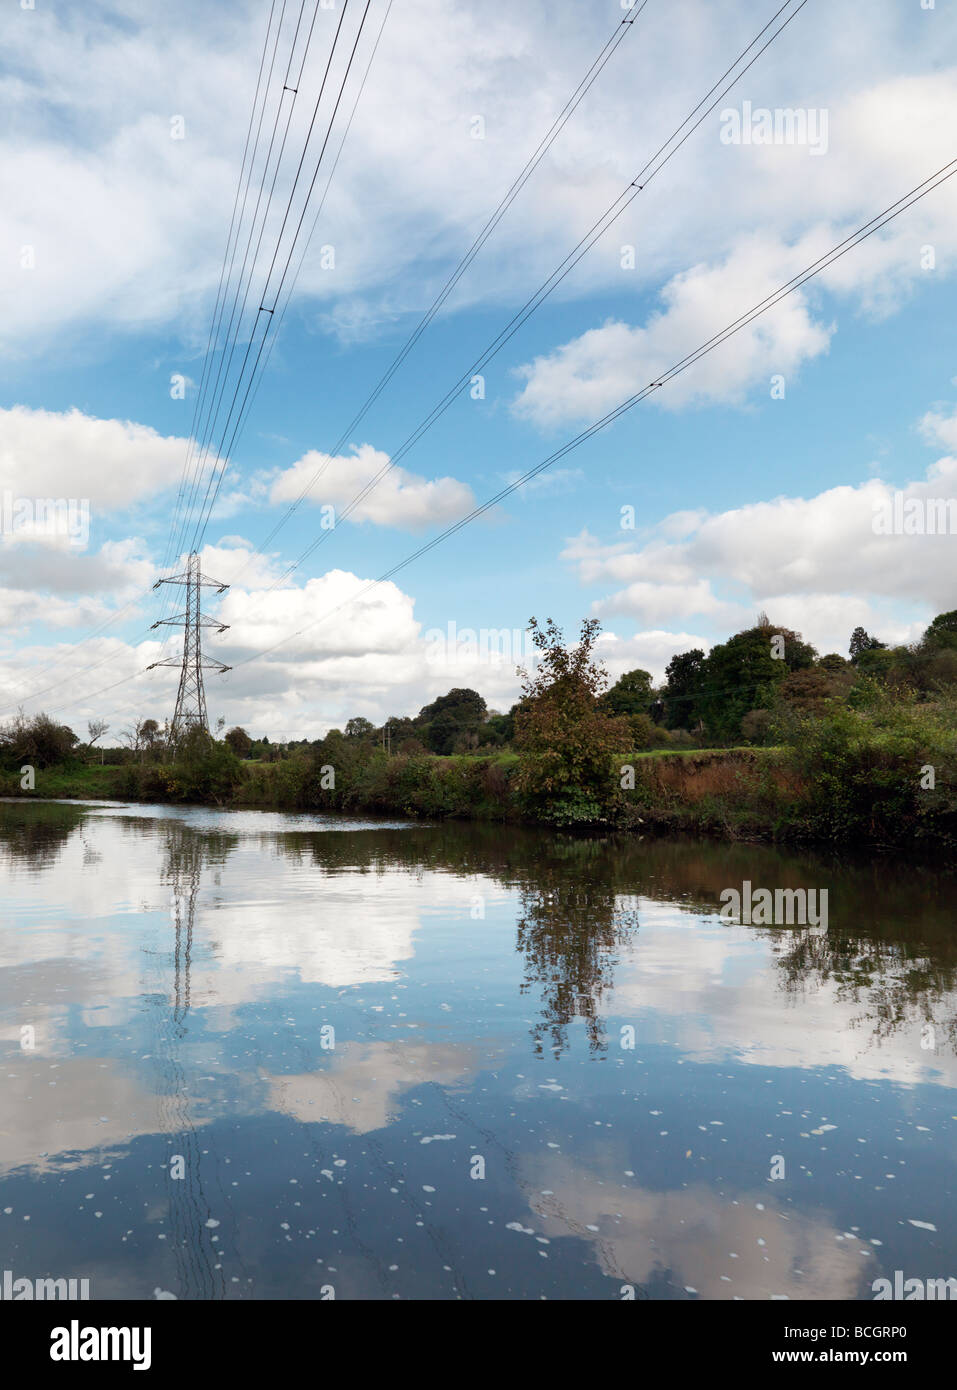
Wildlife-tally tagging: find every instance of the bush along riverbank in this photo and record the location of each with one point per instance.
(874, 762)
(850, 779)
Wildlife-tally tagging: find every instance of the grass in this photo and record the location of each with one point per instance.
(81, 782)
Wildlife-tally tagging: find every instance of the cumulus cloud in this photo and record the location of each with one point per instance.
(338, 617)
(879, 129)
(649, 651)
(366, 655)
(21, 608)
(113, 463)
(400, 499)
(822, 564)
(584, 378)
(940, 427)
(141, 241)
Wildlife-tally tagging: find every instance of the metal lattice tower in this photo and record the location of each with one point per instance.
(190, 712)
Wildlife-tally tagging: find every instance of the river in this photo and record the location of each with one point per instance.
(251, 1055)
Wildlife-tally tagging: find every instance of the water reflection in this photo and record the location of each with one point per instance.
(263, 1055)
(32, 835)
(570, 932)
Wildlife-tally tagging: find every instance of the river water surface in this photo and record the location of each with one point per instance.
(249, 1055)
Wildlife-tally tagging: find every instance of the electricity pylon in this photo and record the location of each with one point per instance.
(190, 712)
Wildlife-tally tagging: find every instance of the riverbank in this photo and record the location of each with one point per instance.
(733, 794)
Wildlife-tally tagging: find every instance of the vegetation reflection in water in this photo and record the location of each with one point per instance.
(246, 1056)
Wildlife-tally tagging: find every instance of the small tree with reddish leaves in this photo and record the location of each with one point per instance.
(565, 739)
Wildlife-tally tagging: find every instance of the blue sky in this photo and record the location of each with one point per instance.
(114, 233)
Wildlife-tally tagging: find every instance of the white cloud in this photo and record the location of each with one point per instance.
(817, 564)
(656, 603)
(400, 499)
(21, 608)
(378, 622)
(939, 428)
(585, 377)
(70, 590)
(801, 217)
(111, 463)
(647, 651)
(128, 224)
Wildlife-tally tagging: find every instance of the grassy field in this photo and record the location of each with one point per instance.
(78, 781)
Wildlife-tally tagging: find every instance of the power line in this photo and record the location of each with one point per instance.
(216, 317)
(114, 617)
(221, 298)
(597, 230)
(212, 413)
(867, 230)
(559, 274)
(306, 244)
(531, 164)
(225, 449)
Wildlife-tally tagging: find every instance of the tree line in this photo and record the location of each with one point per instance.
(743, 691)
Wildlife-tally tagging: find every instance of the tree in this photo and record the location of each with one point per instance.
(808, 691)
(240, 742)
(565, 739)
(880, 661)
(862, 641)
(741, 674)
(95, 729)
(680, 696)
(142, 736)
(450, 717)
(942, 632)
(150, 733)
(359, 728)
(833, 662)
(631, 694)
(38, 741)
(756, 725)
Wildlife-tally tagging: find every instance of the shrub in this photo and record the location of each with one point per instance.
(866, 769)
(566, 741)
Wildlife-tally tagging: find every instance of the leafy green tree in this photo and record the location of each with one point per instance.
(497, 730)
(862, 641)
(565, 739)
(757, 726)
(741, 674)
(359, 728)
(444, 722)
(240, 742)
(832, 661)
(631, 694)
(881, 661)
(942, 632)
(204, 768)
(37, 740)
(683, 674)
